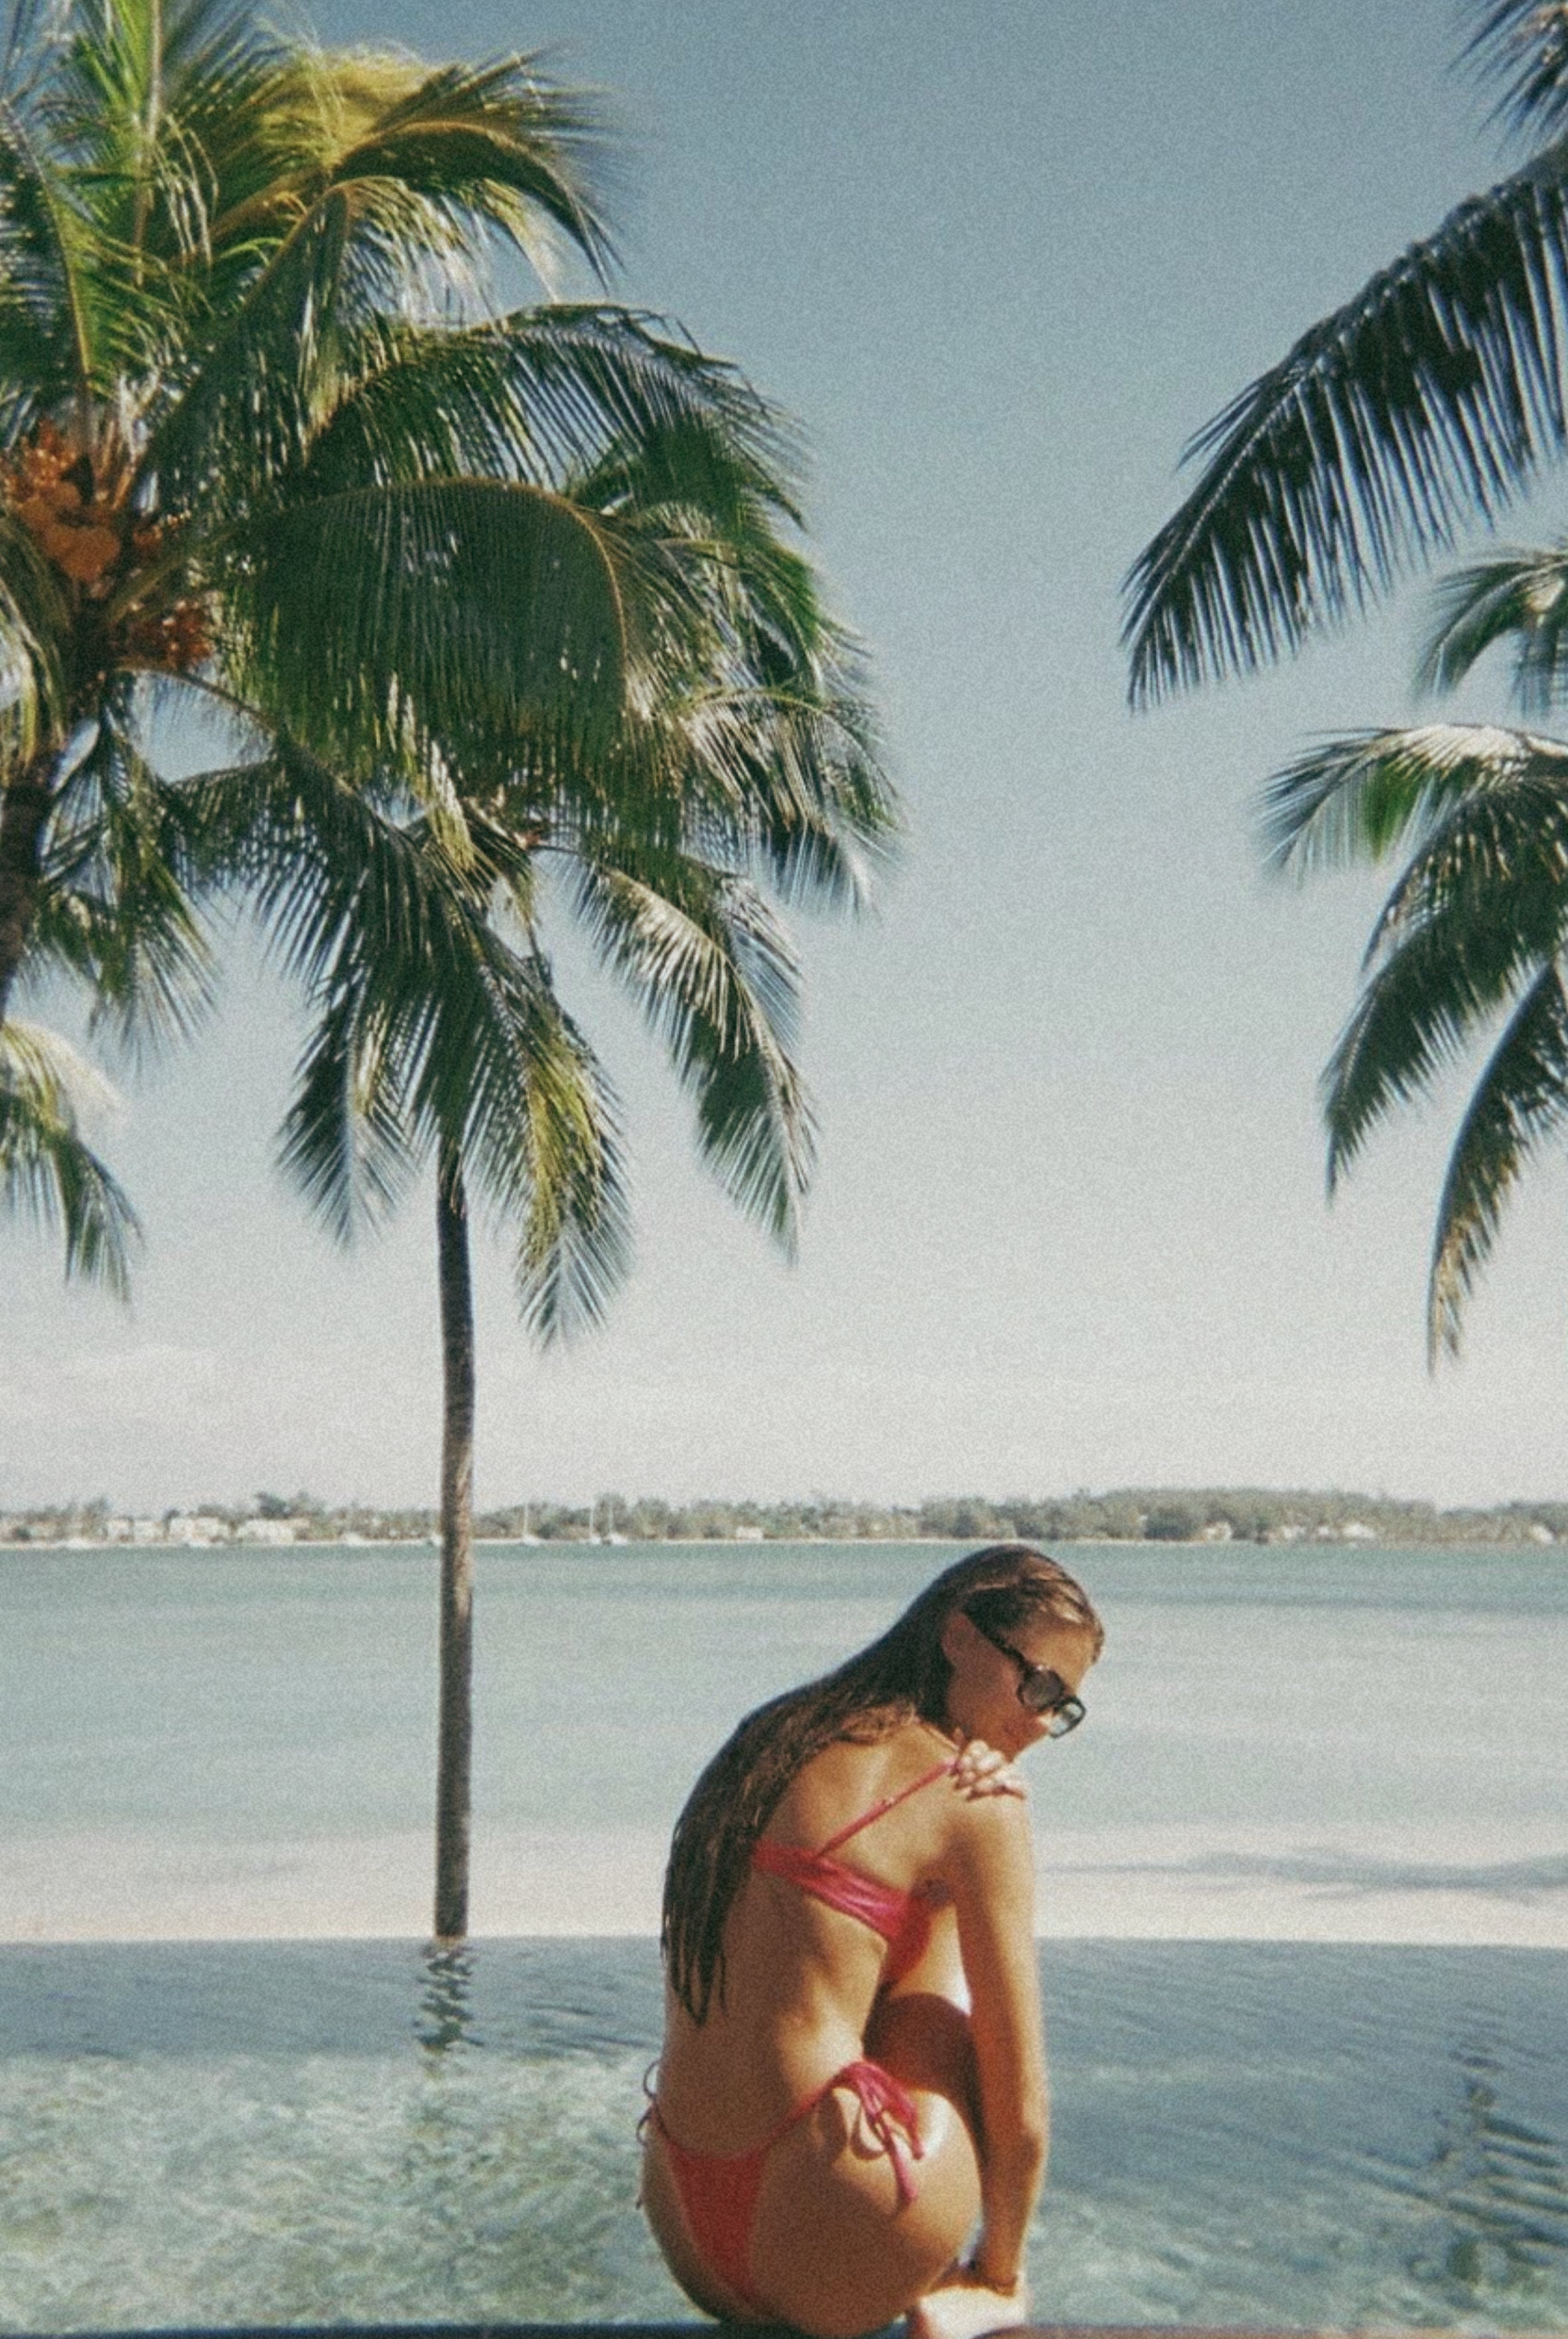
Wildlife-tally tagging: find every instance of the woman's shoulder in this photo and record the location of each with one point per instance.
(856, 1775)
(962, 1809)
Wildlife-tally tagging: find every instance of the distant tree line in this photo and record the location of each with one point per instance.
(1124, 1514)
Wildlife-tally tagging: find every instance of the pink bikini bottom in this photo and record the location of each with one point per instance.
(718, 2190)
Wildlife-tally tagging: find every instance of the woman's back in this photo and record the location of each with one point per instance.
(805, 1954)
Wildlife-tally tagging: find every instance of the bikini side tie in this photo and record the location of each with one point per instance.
(890, 2113)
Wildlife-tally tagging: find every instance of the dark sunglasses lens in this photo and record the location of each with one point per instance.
(1064, 1717)
(1042, 1690)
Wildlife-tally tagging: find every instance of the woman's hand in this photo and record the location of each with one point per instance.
(963, 2305)
(980, 1771)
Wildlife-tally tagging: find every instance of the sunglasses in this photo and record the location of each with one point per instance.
(1039, 1691)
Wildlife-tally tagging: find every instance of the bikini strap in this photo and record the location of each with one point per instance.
(889, 1802)
(650, 2117)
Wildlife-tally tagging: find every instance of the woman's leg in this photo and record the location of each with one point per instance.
(835, 2250)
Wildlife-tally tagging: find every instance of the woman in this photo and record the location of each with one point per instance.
(853, 2071)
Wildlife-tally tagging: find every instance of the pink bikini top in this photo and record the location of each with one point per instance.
(902, 1918)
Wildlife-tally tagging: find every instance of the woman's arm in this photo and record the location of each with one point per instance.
(992, 1883)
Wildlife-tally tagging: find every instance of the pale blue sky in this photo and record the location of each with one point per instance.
(1000, 258)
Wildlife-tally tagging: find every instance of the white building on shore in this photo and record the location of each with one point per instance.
(195, 1528)
(269, 1531)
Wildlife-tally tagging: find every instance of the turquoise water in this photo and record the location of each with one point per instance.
(1361, 2119)
(256, 1694)
(1255, 2134)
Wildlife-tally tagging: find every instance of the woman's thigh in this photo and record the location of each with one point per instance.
(928, 2044)
(835, 2250)
(661, 2204)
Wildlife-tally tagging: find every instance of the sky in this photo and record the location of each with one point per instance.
(1068, 1229)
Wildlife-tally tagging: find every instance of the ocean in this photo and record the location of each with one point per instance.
(1304, 1929)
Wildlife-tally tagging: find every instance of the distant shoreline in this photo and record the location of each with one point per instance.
(237, 1545)
(1123, 1516)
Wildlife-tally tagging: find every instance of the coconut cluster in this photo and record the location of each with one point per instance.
(82, 524)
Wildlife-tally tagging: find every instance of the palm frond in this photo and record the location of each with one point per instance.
(1413, 1020)
(540, 394)
(1480, 907)
(366, 176)
(786, 784)
(1356, 797)
(753, 745)
(48, 1169)
(107, 103)
(1520, 1104)
(1524, 45)
(558, 1172)
(1464, 932)
(93, 160)
(498, 143)
(256, 386)
(1430, 397)
(438, 160)
(736, 601)
(342, 1142)
(236, 162)
(790, 781)
(34, 618)
(1517, 596)
(151, 99)
(123, 863)
(1495, 860)
(433, 1032)
(718, 982)
(47, 247)
(31, 26)
(482, 611)
(380, 933)
(693, 475)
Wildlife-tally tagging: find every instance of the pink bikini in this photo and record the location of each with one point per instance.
(718, 2190)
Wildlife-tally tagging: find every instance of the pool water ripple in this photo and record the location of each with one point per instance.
(1272, 2134)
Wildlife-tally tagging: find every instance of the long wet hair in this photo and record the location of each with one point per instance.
(900, 1677)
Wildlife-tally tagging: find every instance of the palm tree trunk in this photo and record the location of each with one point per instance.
(455, 1720)
(23, 809)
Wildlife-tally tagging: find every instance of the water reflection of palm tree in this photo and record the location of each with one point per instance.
(446, 2011)
(1500, 2190)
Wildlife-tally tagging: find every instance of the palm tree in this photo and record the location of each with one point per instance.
(747, 764)
(473, 590)
(260, 450)
(1432, 397)
(1473, 940)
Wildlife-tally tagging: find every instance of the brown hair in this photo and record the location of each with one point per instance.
(902, 1675)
